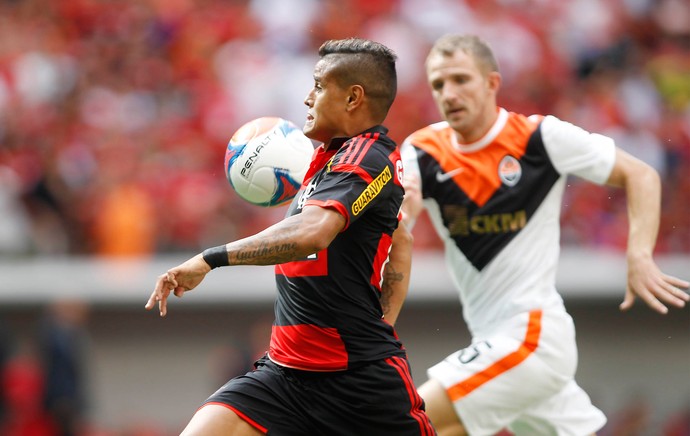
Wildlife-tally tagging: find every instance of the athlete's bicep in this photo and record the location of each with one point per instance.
(412, 183)
(626, 167)
(321, 224)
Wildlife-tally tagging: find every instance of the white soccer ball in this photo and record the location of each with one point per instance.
(266, 161)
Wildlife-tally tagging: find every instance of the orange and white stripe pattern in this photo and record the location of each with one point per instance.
(528, 346)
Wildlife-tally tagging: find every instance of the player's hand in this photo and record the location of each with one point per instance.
(178, 280)
(655, 288)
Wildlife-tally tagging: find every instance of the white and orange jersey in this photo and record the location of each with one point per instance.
(496, 205)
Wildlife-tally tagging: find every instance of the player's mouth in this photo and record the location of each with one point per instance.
(454, 112)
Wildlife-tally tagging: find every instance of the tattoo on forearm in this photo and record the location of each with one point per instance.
(390, 277)
(267, 252)
(271, 248)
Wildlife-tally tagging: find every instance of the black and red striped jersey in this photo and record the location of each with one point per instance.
(327, 314)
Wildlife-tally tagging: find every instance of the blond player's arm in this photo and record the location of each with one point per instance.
(412, 182)
(396, 274)
(645, 280)
(412, 202)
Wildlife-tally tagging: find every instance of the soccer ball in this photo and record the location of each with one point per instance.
(266, 161)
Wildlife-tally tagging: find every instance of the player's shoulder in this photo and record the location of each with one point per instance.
(434, 135)
(374, 138)
(368, 149)
(551, 126)
(528, 121)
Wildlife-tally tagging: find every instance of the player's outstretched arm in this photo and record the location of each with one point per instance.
(645, 280)
(396, 275)
(293, 238)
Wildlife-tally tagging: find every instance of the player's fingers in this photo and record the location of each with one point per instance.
(179, 291)
(163, 301)
(678, 283)
(170, 289)
(652, 301)
(152, 301)
(628, 300)
(171, 279)
(679, 286)
(157, 292)
(672, 295)
(163, 288)
(163, 306)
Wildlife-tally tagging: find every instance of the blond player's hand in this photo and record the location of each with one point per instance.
(177, 280)
(647, 281)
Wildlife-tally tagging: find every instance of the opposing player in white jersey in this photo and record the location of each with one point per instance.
(492, 182)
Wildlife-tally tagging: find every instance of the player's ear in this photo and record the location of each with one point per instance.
(493, 80)
(355, 96)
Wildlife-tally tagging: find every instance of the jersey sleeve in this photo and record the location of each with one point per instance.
(409, 158)
(573, 150)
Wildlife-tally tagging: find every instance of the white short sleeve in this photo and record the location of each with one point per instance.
(574, 150)
(409, 158)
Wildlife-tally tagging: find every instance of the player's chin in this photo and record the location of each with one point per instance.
(308, 126)
(311, 133)
(456, 121)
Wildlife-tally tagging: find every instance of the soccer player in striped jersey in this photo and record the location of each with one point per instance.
(492, 182)
(335, 365)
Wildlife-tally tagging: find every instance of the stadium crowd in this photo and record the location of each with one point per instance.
(114, 113)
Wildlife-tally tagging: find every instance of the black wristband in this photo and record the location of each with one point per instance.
(216, 257)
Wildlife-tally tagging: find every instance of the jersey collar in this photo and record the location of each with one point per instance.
(487, 138)
(338, 142)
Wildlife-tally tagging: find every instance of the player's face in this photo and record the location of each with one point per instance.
(327, 104)
(465, 97)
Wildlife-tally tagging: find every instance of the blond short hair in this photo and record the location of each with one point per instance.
(471, 45)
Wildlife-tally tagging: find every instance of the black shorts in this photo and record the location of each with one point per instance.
(376, 399)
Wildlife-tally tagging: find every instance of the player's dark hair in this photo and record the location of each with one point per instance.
(366, 63)
(469, 44)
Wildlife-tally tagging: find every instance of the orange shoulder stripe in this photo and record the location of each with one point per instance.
(478, 176)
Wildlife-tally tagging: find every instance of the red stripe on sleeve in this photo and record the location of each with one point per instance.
(348, 168)
(332, 204)
(357, 149)
(352, 149)
(380, 259)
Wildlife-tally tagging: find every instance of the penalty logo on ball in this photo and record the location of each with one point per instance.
(266, 160)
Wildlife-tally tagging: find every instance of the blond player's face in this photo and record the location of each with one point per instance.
(465, 97)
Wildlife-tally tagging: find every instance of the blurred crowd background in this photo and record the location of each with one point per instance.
(114, 116)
